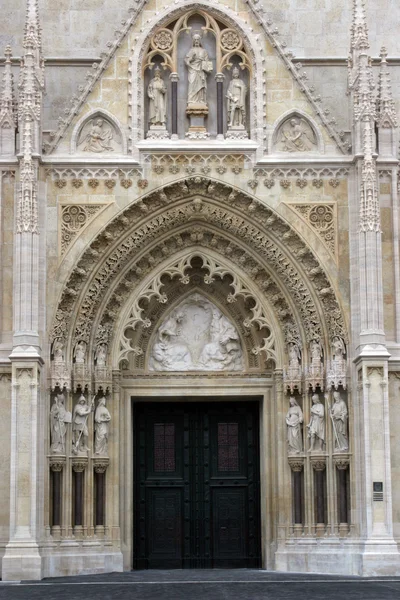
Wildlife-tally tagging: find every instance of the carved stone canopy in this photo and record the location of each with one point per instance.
(196, 336)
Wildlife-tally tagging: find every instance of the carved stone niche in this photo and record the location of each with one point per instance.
(196, 336)
(296, 134)
(98, 135)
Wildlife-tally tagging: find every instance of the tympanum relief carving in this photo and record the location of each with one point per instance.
(99, 136)
(296, 135)
(196, 336)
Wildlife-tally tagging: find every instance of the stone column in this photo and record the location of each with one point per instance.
(79, 465)
(174, 78)
(219, 78)
(319, 464)
(100, 467)
(57, 464)
(297, 465)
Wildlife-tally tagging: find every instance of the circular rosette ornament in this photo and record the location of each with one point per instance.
(321, 216)
(230, 40)
(163, 40)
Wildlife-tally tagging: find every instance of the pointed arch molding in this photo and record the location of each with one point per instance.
(194, 213)
(215, 267)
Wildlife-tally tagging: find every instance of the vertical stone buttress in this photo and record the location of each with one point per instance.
(22, 559)
(372, 465)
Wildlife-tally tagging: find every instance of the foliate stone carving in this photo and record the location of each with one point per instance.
(296, 135)
(110, 183)
(294, 419)
(126, 183)
(296, 464)
(316, 426)
(318, 183)
(73, 218)
(59, 417)
(269, 183)
(80, 432)
(339, 416)
(102, 420)
(93, 183)
(205, 163)
(163, 39)
(100, 465)
(318, 463)
(334, 182)
(196, 337)
(77, 183)
(322, 218)
(341, 462)
(230, 40)
(285, 183)
(337, 367)
(61, 183)
(79, 464)
(57, 463)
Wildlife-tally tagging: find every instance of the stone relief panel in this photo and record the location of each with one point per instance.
(74, 217)
(322, 218)
(196, 336)
(99, 135)
(296, 134)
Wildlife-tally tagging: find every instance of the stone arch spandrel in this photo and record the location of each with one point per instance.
(237, 215)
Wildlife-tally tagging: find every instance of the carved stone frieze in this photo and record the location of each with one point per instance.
(201, 163)
(322, 218)
(107, 173)
(306, 173)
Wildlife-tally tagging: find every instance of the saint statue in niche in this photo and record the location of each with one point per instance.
(97, 137)
(199, 66)
(339, 414)
(59, 417)
(297, 136)
(80, 432)
(236, 96)
(156, 92)
(294, 419)
(102, 420)
(316, 426)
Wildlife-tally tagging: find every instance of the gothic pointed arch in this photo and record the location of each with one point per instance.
(198, 211)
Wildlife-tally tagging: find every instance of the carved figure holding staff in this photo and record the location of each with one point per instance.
(80, 433)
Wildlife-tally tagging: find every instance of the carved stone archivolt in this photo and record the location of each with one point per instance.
(212, 214)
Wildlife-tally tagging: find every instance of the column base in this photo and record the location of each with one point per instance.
(21, 562)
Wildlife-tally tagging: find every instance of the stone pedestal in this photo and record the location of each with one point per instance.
(236, 132)
(157, 132)
(197, 129)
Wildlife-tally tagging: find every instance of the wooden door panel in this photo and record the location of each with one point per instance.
(197, 485)
(164, 523)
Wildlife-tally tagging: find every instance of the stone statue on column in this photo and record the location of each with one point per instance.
(236, 107)
(294, 419)
(198, 66)
(80, 432)
(157, 93)
(59, 417)
(339, 415)
(316, 426)
(80, 353)
(102, 420)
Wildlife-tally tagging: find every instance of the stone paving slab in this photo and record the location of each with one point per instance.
(205, 585)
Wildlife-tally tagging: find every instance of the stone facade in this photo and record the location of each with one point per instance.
(153, 207)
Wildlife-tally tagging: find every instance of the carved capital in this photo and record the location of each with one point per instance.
(341, 462)
(174, 77)
(318, 463)
(296, 463)
(79, 464)
(57, 463)
(100, 464)
(219, 77)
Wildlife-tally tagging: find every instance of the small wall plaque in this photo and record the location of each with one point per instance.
(377, 488)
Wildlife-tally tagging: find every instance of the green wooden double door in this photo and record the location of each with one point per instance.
(197, 485)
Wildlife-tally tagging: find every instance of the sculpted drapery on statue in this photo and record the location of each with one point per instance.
(80, 432)
(236, 105)
(294, 419)
(102, 420)
(339, 415)
(199, 66)
(157, 93)
(316, 426)
(59, 417)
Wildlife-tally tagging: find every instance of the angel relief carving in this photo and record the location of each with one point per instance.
(98, 135)
(296, 135)
(196, 336)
